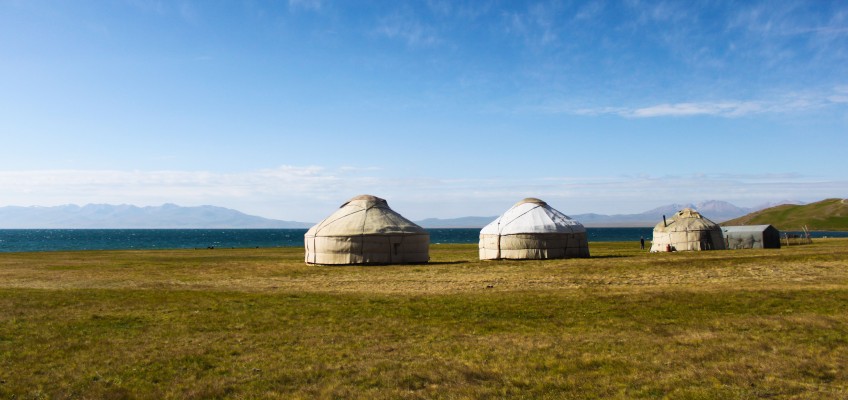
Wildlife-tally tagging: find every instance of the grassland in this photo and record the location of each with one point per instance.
(825, 215)
(259, 323)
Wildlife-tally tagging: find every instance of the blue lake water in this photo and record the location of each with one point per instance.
(13, 240)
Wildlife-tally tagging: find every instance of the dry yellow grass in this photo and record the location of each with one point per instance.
(259, 323)
(453, 269)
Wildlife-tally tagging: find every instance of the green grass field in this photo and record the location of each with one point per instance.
(259, 323)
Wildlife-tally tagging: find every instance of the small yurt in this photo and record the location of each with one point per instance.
(532, 229)
(366, 231)
(751, 237)
(687, 230)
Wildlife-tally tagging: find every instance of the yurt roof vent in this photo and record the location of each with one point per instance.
(689, 213)
(532, 200)
(368, 199)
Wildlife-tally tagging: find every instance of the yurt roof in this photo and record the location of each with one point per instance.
(746, 228)
(532, 215)
(365, 215)
(686, 219)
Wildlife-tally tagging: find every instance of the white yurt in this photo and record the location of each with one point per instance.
(687, 230)
(531, 229)
(366, 231)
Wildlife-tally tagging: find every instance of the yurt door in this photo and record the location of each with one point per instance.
(395, 249)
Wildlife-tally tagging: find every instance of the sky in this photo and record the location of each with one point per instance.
(286, 109)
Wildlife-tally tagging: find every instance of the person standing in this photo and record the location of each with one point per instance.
(642, 242)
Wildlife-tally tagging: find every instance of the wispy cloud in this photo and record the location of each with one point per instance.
(309, 193)
(188, 13)
(311, 5)
(408, 28)
(791, 33)
(840, 95)
(659, 11)
(780, 104)
(536, 26)
(463, 10)
(185, 10)
(728, 109)
(152, 6)
(590, 11)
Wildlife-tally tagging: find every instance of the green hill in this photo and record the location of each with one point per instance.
(825, 215)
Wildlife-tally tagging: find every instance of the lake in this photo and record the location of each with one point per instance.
(14, 240)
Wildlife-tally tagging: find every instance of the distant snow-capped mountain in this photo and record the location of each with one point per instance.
(172, 216)
(716, 210)
(124, 216)
(463, 222)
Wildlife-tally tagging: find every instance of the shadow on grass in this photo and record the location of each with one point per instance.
(409, 265)
(531, 260)
(612, 256)
(447, 262)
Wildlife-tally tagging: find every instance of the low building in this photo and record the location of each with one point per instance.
(751, 237)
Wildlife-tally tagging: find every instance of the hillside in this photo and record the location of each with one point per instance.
(825, 215)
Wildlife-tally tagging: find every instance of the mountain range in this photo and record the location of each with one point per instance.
(172, 216)
(715, 210)
(106, 216)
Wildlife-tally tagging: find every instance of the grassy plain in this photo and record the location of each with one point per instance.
(259, 323)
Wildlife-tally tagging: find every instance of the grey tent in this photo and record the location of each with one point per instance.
(531, 229)
(366, 231)
(751, 237)
(687, 230)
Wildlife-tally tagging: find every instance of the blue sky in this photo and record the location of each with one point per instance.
(286, 109)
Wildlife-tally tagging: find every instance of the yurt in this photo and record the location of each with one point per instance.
(366, 231)
(687, 230)
(751, 237)
(532, 229)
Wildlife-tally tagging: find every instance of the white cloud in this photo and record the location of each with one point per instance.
(727, 109)
(779, 104)
(155, 187)
(310, 193)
